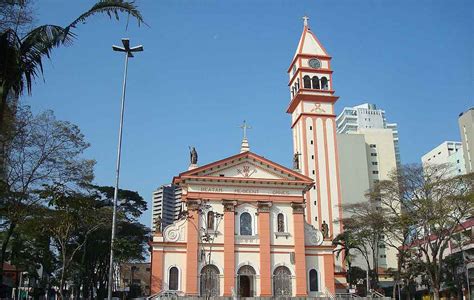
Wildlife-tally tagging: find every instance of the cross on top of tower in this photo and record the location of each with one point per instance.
(244, 128)
(305, 20)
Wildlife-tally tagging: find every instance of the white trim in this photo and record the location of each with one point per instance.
(276, 212)
(245, 263)
(213, 262)
(256, 289)
(318, 279)
(168, 277)
(252, 211)
(283, 264)
(206, 217)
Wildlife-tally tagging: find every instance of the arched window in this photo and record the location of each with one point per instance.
(315, 82)
(306, 82)
(324, 83)
(210, 220)
(245, 224)
(210, 284)
(282, 282)
(173, 279)
(297, 84)
(280, 222)
(313, 281)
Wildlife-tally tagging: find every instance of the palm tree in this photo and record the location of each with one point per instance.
(344, 243)
(21, 57)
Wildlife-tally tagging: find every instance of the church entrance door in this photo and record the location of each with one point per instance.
(244, 286)
(246, 276)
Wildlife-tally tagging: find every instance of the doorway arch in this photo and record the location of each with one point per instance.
(210, 281)
(282, 282)
(246, 281)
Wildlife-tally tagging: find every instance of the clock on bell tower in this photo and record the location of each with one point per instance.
(314, 130)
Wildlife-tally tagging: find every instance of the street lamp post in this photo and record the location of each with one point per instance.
(128, 53)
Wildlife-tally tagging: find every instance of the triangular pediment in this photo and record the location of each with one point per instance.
(246, 166)
(249, 169)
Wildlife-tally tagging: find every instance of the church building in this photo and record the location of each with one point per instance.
(252, 227)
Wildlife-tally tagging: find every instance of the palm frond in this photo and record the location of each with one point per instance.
(39, 43)
(21, 59)
(10, 74)
(110, 7)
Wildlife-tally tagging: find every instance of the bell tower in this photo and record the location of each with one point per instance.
(313, 124)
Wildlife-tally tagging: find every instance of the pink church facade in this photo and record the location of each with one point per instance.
(254, 228)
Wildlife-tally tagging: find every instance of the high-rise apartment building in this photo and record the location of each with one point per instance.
(365, 158)
(355, 180)
(466, 126)
(166, 205)
(366, 116)
(368, 152)
(450, 153)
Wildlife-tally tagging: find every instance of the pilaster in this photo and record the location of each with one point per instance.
(265, 258)
(229, 247)
(192, 248)
(156, 279)
(300, 259)
(329, 281)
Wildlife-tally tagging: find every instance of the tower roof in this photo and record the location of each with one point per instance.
(309, 43)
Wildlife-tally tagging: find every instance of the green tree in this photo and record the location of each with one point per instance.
(396, 222)
(432, 205)
(453, 274)
(366, 227)
(346, 243)
(92, 264)
(42, 151)
(357, 277)
(73, 217)
(30, 251)
(22, 55)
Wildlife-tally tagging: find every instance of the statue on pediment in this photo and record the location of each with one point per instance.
(193, 155)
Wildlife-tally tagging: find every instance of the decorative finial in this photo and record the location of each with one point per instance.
(245, 143)
(305, 21)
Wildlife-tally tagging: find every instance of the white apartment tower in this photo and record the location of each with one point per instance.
(366, 116)
(368, 152)
(466, 126)
(166, 205)
(450, 153)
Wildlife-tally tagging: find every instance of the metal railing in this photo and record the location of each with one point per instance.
(329, 294)
(376, 294)
(347, 296)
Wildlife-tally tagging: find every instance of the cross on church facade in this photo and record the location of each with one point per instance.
(244, 128)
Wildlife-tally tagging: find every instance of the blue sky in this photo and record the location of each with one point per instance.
(208, 65)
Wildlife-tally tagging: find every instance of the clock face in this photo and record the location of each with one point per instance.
(315, 63)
